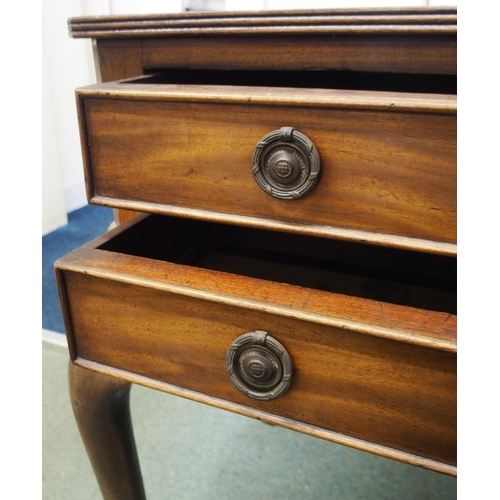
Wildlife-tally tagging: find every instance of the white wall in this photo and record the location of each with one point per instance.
(328, 4)
(68, 64)
(53, 205)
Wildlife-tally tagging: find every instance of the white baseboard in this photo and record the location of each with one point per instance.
(48, 228)
(54, 338)
(75, 196)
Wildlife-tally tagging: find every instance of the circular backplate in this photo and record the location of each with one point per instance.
(285, 164)
(259, 366)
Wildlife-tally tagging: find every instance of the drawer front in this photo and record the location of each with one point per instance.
(387, 175)
(381, 373)
(385, 392)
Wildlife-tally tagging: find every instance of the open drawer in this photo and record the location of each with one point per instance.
(367, 157)
(371, 342)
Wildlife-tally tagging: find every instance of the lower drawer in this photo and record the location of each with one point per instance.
(370, 332)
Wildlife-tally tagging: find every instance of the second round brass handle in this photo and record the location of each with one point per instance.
(286, 164)
(259, 366)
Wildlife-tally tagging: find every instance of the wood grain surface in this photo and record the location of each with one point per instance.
(388, 161)
(368, 373)
(385, 374)
(430, 54)
(298, 22)
(101, 407)
(413, 40)
(116, 60)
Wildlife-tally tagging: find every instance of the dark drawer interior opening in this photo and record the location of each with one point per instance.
(315, 79)
(396, 276)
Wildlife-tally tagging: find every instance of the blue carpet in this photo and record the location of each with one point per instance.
(83, 225)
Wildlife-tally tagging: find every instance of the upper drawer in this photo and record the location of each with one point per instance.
(196, 144)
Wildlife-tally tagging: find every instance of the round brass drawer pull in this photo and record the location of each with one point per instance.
(259, 366)
(285, 164)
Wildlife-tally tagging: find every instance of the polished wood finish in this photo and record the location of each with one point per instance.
(398, 40)
(101, 407)
(192, 151)
(117, 307)
(370, 371)
(385, 53)
(122, 216)
(116, 60)
(410, 40)
(378, 20)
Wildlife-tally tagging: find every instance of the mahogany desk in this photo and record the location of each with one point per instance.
(295, 259)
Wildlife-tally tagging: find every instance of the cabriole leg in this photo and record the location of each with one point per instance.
(102, 411)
